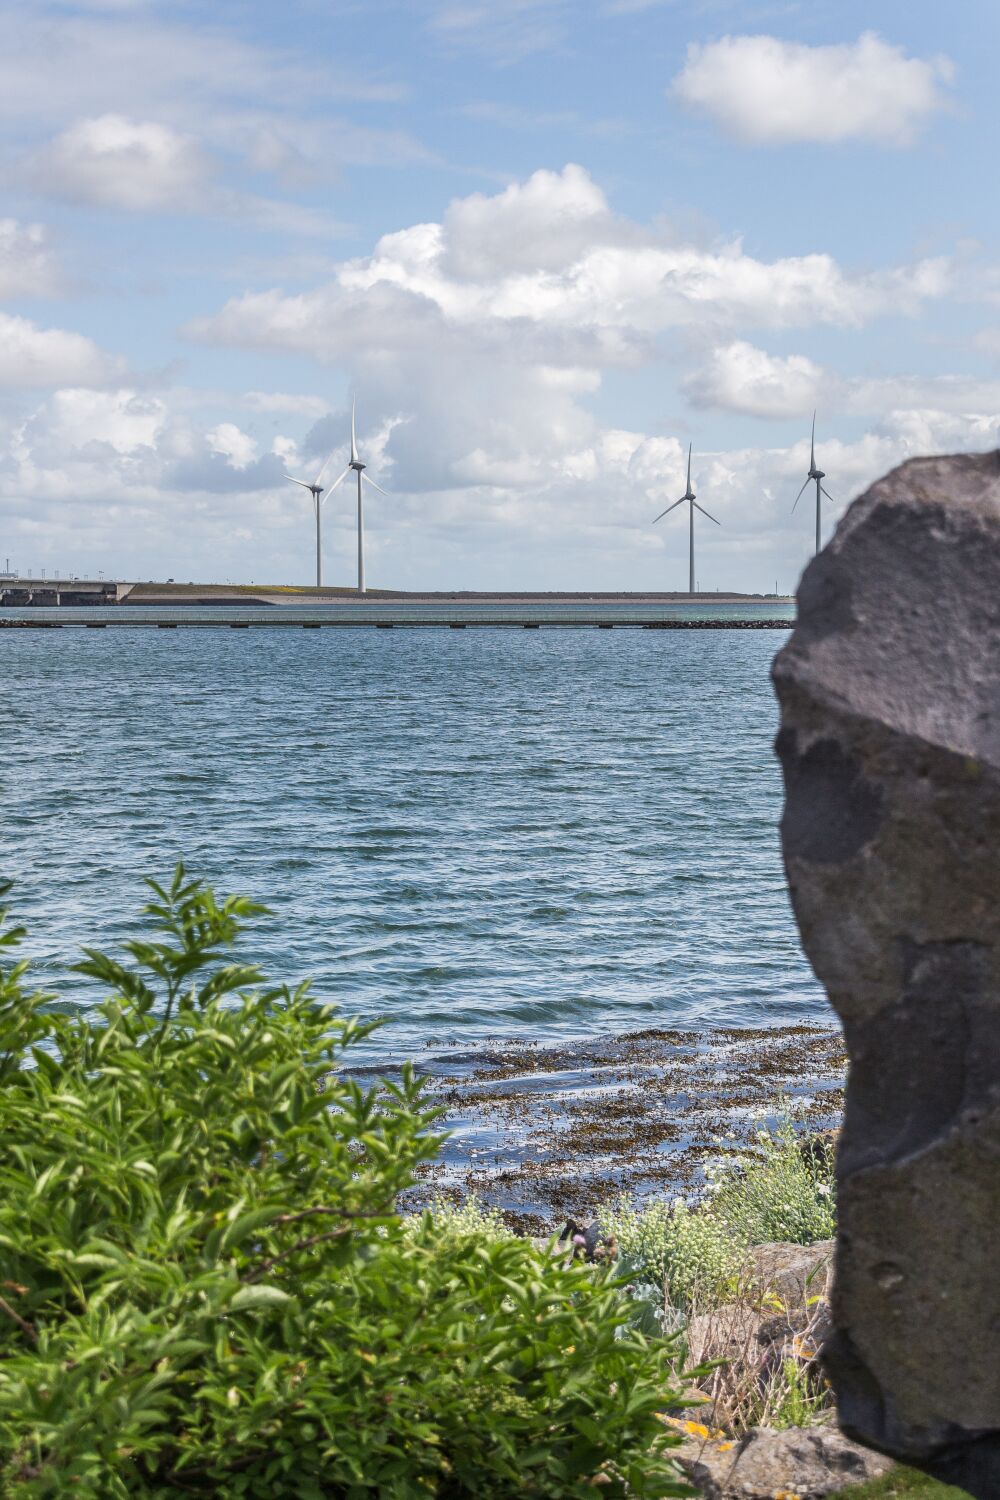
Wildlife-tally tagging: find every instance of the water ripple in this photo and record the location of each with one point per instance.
(559, 833)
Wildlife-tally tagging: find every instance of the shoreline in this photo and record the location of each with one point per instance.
(544, 1131)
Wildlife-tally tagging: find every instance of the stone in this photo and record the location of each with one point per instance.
(798, 1463)
(890, 746)
(791, 1274)
(730, 1332)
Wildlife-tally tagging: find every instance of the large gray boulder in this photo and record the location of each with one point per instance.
(890, 745)
(797, 1463)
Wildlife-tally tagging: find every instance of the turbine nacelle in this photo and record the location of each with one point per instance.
(314, 489)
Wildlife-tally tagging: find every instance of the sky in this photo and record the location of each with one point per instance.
(546, 244)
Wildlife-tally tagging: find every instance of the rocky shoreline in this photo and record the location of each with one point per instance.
(542, 1132)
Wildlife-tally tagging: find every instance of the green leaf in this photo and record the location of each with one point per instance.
(250, 1297)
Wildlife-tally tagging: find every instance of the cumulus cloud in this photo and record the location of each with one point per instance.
(122, 163)
(767, 91)
(544, 271)
(739, 377)
(491, 331)
(477, 363)
(542, 224)
(31, 356)
(114, 472)
(27, 264)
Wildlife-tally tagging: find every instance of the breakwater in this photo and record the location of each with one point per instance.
(618, 614)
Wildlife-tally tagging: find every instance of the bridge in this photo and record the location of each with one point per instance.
(51, 593)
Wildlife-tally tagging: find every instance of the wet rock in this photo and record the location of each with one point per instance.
(806, 1463)
(890, 746)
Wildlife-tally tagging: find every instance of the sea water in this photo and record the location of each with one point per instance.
(475, 834)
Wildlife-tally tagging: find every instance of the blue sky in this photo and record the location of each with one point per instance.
(547, 243)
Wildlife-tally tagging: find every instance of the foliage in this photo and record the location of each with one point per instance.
(797, 1398)
(781, 1193)
(204, 1287)
(446, 1223)
(904, 1484)
(686, 1252)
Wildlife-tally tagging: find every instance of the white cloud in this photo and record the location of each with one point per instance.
(739, 377)
(765, 90)
(27, 264)
(543, 272)
(31, 356)
(141, 65)
(492, 329)
(142, 166)
(120, 477)
(121, 163)
(235, 445)
(543, 224)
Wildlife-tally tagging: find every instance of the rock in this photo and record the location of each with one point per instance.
(728, 1332)
(890, 746)
(791, 1274)
(800, 1463)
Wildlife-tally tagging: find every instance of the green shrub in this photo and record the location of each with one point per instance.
(446, 1223)
(204, 1287)
(685, 1252)
(780, 1193)
(694, 1254)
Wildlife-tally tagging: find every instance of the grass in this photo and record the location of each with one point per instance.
(906, 1484)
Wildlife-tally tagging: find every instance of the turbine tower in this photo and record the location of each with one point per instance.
(316, 490)
(363, 479)
(693, 505)
(816, 476)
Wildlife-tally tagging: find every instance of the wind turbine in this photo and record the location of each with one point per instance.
(363, 478)
(689, 496)
(817, 476)
(316, 490)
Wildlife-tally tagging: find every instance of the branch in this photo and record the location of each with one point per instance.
(307, 1244)
(316, 1239)
(15, 1317)
(338, 1213)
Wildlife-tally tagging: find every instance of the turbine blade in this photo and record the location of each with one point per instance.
(326, 465)
(705, 512)
(826, 492)
(812, 445)
(798, 497)
(304, 483)
(354, 438)
(336, 482)
(690, 445)
(669, 509)
(367, 478)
